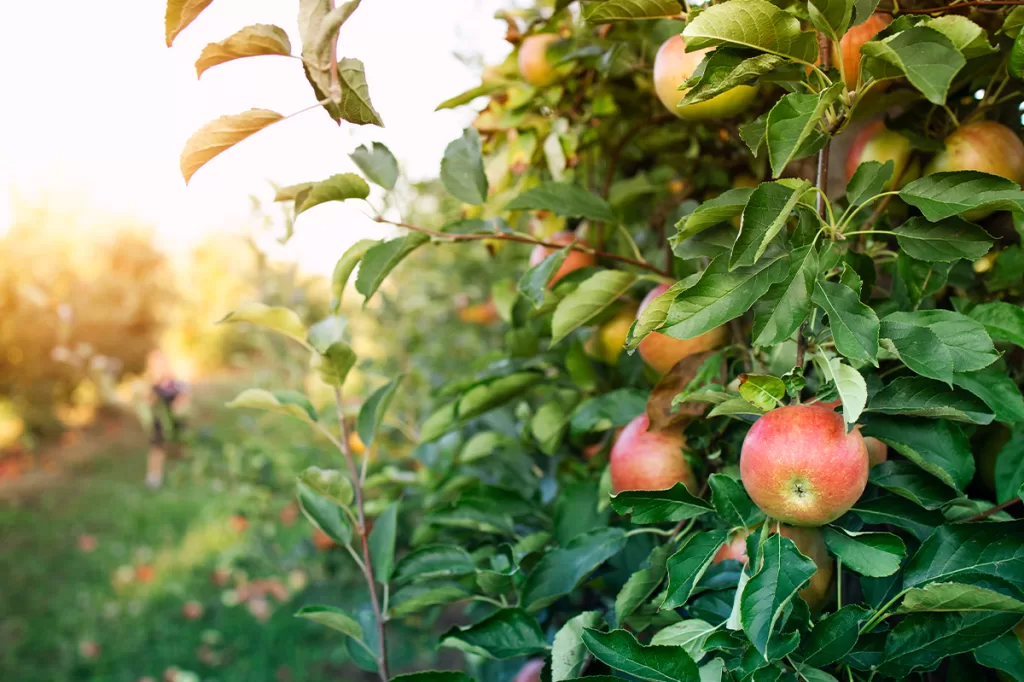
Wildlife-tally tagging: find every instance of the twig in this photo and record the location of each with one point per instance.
(994, 510)
(801, 347)
(367, 565)
(821, 179)
(523, 239)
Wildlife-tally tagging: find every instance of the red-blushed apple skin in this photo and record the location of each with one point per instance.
(534, 66)
(852, 42)
(878, 451)
(985, 146)
(800, 466)
(574, 261)
(875, 142)
(811, 544)
(649, 460)
(530, 672)
(673, 65)
(662, 352)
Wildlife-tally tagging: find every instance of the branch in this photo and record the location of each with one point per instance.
(522, 239)
(994, 510)
(947, 8)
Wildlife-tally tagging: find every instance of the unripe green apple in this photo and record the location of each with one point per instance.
(875, 142)
(534, 65)
(673, 66)
(663, 352)
(852, 42)
(800, 466)
(574, 261)
(649, 460)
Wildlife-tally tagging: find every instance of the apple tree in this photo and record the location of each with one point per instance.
(757, 412)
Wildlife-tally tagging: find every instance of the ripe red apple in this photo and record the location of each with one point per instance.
(800, 466)
(574, 261)
(238, 523)
(530, 672)
(322, 541)
(985, 146)
(606, 342)
(875, 142)
(662, 352)
(673, 66)
(851, 44)
(649, 460)
(534, 65)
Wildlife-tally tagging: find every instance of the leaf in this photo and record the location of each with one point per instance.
(926, 57)
(942, 195)
(673, 401)
(997, 389)
(346, 264)
(382, 543)
(834, 636)
(508, 633)
(919, 348)
(854, 325)
(922, 640)
(756, 24)
(564, 199)
(371, 414)
(630, 10)
(659, 506)
(221, 134)
(335, 363)
(642, 583)
(534, 282)
(380, 260)
(1016, 63)
(434, 676)
(462, 169)
(333, 618)
(560, 571)
(752, 133)
(872, 554)
(181, 13)
(969, 38)
(958, 597)
(908, 480)
(831, 17)
(762, 391)
(691, 635)
(328, 483)
(724, 69)
(653, 316)
(468, 96)
(764, 216)
(990, 548)
(568, 654)
(620, 650)
(937, 446)
(1004, 321)
(355, 106)
(1009, 473)
(965, 339)
(772, 588)
(688, 564)
(900, 512)
(432, 562)
(252, 41)
(377, 163)
(791, 124)
(335, 188)
(607, 411)
(945, 241)
(588, 300)
(721, 295)
(732, 503)
(853, 390)
(323, 514)
(1003, 653)
(868, 180)
(787, 303)
(920, 397)
(418, 597)
(283, 402)
(721, 209)
(276, 318)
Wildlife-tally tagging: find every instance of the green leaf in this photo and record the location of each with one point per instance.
(382, 543)
(772, 588)
(969, 38)
(608, 411)
(687, 565)
(568, 654)
(563, 199)
(792, 123)
(588, 300)
(764, 217)
(324, 514)
(417, 597)
(922, 640)
(942, 195)
(763, 391)
(462, 169)
(335, 363)
(330, 484)
(1016, 63)
(958, 597)
(179, 14)
(1004, 321)
(326, 332)
(560, 571)
(831, 17)
(629, 10)
(482, 516)
(334, 618)
(997, 389)
(1009, 474)
(853, 390)
(346, 264)
(945, 241)
(691, 635)
(937, 446)
(721, 294)
(620, 650)
(380, 260)
(734, 407)
(854, 325)
(281, 320)
(868, 181)
(654, 315)
(788, 303)
(732, 503)
(908, 480)
(291, 403)
(990, 548)
(724, 69)
(926, 57)
(534, 282)
(899, 512)
(468, 96)
(920, 397)
(508, 633)
(919, 348)
(355, 106)
(834, 636)
(755, 24)
(659, 506)
(252, 41)
(377, 163)
(721, 209)
(1003, 653)
(371, 414)
(434, 676)
(642, 583)
(872, 554)
(432, 562)
(965, 339)
(752, 133)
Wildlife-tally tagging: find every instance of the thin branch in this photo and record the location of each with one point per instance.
(994, 510)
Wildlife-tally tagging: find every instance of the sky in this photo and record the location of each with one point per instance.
(98, 109)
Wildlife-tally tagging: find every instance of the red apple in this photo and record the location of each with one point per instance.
(875, 142)
(800, 466)
(530, 672)
(192, 610)
(985, 146)
(574, 261)
(662, 352)
(851, 44)
(878, 451)
(673, 66)
(534, 65)
(649, 460)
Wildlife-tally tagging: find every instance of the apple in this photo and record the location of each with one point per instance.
(851, 43)
(673, 66)
(89, 649)
(530, 672)
(649, 460)
(985, 146)
(238, 523)
(606, 343)
(663, 352)
(875, 142)
(192, 610)
(322, 541)
(480, 313)
(534, 65)
(574, 261)
(800, 466)
(878, 451)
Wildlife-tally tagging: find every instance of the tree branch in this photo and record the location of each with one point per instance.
(994, 510)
